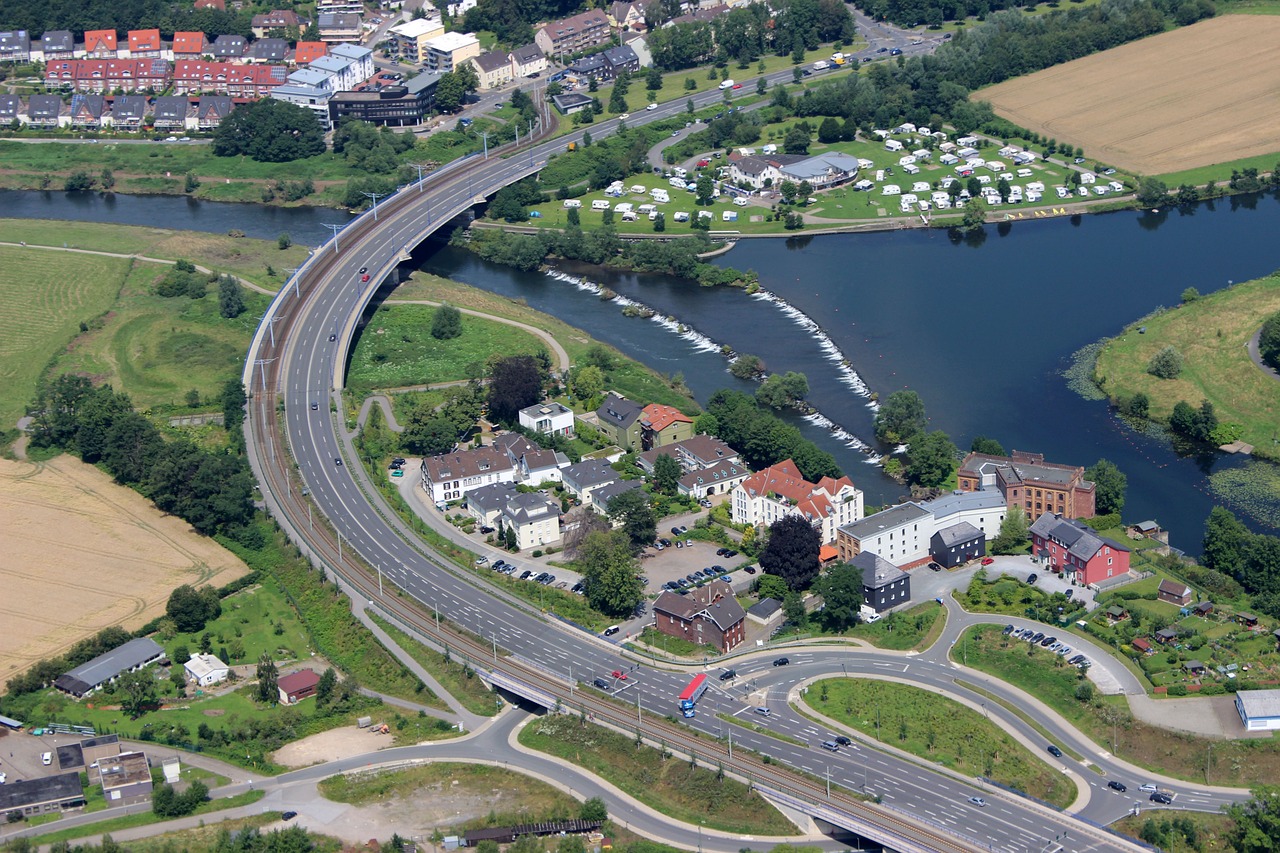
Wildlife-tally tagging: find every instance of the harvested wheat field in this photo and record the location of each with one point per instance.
(1193, 97)
(81, 553)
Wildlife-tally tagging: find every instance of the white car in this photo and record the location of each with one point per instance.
(624, 115)
(1148, 788)
(652, 107)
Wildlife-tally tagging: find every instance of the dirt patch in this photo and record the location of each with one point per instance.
(102, 552)
(1193, 97)
(332, 745)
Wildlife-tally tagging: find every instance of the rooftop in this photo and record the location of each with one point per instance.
(22, 793)
(887, 519)
(107, 666)
(416, 29)
(876, 571)
(449, 42)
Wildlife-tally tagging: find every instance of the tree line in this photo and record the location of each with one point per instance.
(210, 490)
(1252, 559)
(747, 33)
(762, 437)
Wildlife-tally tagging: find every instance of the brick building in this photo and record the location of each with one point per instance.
(1075, 551)
(708, 615)
(1026, 480)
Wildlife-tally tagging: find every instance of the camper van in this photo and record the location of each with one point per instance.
(629, 216)
(623, 207)
(727, 84)
(821, 65)
(572, 202)
(646, 208)
(639, 189)
(911, 169)
(890, 189)
(600, 204)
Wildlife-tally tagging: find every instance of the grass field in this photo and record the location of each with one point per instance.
(1211, 333)
(102, 552)
(46, 298)
(458, 680)
(116, 824)
(396, 348)
(915, 628)
(938, 729)
(669, 785)
(1210, 829)
(1192, 97)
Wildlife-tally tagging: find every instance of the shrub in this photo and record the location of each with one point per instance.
(1166, 364)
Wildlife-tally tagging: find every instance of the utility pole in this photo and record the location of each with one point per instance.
(420, 167)
(375, 197)
(335, 229)
(261, 364)
(294, 281)
(828, 782)
(495, 647)
(484, 136)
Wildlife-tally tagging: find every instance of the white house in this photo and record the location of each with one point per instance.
(449, 476)
(550, 417)
(984, 509)
(535, 517)
(899, 534)
(780, 490)
(1259, 709)
(204, 670)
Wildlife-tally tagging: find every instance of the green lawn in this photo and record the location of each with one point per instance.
(914, 628)
(668, 785)
(938, 729)
(1221, 172)
(676, 646)
(255, 620)
(396, 348)
(1211, 334)
(46, 297)
(456, 678)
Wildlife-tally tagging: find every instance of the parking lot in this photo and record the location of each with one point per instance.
(672, 564)
(21, 755)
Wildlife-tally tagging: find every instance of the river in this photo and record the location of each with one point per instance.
(980, 328)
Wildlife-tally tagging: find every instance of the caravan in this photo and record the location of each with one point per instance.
(599, 204)
(892, 145)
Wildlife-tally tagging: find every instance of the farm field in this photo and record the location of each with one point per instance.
(101, 551)
(1193, 97)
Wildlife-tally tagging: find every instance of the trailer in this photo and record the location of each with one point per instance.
(689, 698)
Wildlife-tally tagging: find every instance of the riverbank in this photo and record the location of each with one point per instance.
(1212, 333)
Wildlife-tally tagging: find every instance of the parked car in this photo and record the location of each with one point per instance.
(751, 570)
(986, 561)
(934, 567)
(1070, 592)
(611, 630)
(1008, 629)
(1032, 578)
(526, 574)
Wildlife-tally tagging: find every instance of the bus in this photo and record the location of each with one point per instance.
(689, 698)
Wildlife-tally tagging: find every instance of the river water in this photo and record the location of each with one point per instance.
(980, 328)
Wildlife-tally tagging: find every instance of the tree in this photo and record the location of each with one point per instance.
(841, 591)
(230, 300)
(594, 809)
(190, 608)
(137, 691)
(989, 446)
(107, 180)
(284, 241)
(931, 457)
(762, 86)
(326, 686)
(705, 188)
(181, 654)
(430, 436)
(796, 141)
(1269, 341)
(1152, 192)
(653, 79)
(515, 382)
(792, 551)
(1182, 419)
(269, 131)
(975, 214)
(633, 514)
(829, 131)
(610, 572)
(771, 586)
(451, 91)
(1225, 541)
(1012, 537)
(783, 391)
(747, 366)
(1256, 822)
(666, 474)
(1165, 364)
(268, 691)
(587, 382)
(900, 417)
(1110, 483)
(233, 403)
(447, 323)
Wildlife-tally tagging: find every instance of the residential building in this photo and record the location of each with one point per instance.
(600, 498)
(54, 44)
(10, 109)
(211, 110)
(88, 677)
(105, 75)
(206, 670)
(268, 50)
(767, 612)
(493, 69)
(985, 510)
(145, 44)
(193, 76)
(350, 6)
(1076, 551)
(339, 27)
(408, 40)
(15, 46)
(170, 112)
(310, 97)
(88, 111)
(188, 45)
(486, 503)
(228, 48)
(1026, 480)
(716, 479)
(957, 544)
(535, 518)
(42, 795)
(528, 60)
(574, 34)
(822, 171)
(1174, 592)
(351, 65)
(884, 585)
(621, 58)
(780, 490)
(1259, 710)
(277, 19)
(125, 779)
(551, 418)
(297, 686)
(449, 51)
(306, 52)
(396, 105)
(663, 425)
(1142, 645)
(46, 111)
(708, 615)
(100, 44)
(899, 534)
(450, 476)
(568, 103)
(620, 420)
(584, 477)
(128, 112)
(534, 464)
(626, 16)
(699, 451)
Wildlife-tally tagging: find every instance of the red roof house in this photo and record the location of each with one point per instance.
(309, 51)
(188, 45)
(100, 44)
(144, 43)
(297, 686)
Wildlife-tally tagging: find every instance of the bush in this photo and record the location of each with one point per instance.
(1166, 364)
(1178, 690)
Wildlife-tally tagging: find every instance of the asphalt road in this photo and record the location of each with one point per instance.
(311, 364)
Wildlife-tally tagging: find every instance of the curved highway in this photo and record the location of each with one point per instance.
(294, 368)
